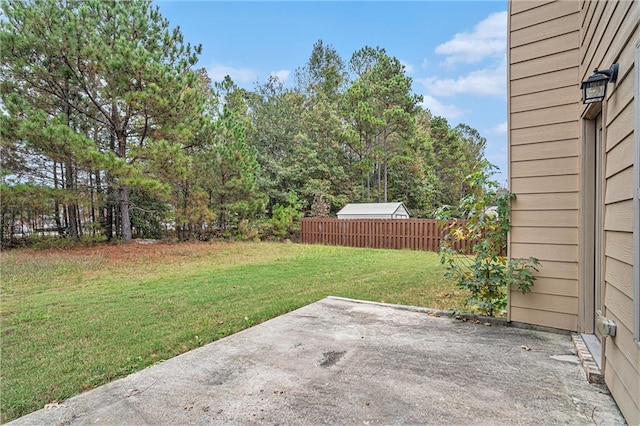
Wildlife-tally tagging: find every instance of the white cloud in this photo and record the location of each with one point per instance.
(218, 72)
(488, 39)
(500, 129)
(409, 69)
(282, 75)
(483, 82)
(425, 63)
(437, 108)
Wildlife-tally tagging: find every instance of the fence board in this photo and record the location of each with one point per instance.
(412, 234)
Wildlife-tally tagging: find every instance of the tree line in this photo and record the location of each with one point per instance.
(109, 130)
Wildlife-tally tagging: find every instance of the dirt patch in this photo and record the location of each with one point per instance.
(131, 253)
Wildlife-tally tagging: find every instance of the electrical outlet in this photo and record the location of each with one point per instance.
(606, 327)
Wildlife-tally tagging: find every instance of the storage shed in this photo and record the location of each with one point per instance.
(374, 211)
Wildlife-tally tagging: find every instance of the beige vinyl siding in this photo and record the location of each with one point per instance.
(528, 13)
(620, 157)
(619, 216)
(619, 187)
(548, 98)
(547, 167)
(549, 133)
(552, 47)
(548, 218)
(547, 64)
(551, 269)
(543, 116)
(556, 286)
(609, 35)
(552, 252)
(542, 184)
(545, 302)
(544, 47)
(545, 318)
(546, 201)
(619, 275)
(564, 236)
(544, 81)
(545, 30)
(619, 126)
(544, 152)
(616, 386)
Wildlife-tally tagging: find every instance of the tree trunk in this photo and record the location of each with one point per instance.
(221, 215)
(71, 208)
(56, 204)
(117, 223)
(69, 179)
(123, 191)
(13, 225)
(79, 216)
(386, 170)
(378, 173)
(65, 213)
(109, 218)
(100, 202)
(93, 203)
(123, 201)
(111, 228)
(123, 196)
(186, 234)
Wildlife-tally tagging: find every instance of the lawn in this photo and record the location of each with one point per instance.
(76, 319)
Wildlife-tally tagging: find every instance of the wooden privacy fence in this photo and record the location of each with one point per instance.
(413, 234)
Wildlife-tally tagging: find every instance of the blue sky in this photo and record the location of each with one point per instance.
(455, 51)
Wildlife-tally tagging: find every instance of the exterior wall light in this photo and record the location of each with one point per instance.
(595, 88)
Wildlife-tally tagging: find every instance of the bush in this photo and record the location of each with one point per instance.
(285, 220)
(247, 231)
(39, 242)
(488, 274)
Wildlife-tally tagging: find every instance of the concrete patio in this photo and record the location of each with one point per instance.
(339, 361)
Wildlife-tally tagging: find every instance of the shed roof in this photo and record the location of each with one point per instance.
(371, 208)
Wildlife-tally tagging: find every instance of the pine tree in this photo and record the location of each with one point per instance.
(117, 66)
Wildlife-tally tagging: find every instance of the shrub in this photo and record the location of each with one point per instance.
(285, 220)
(488, 274)
(247, 231)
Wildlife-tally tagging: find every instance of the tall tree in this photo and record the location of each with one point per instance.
(412, 176)
(381, 107)
(129, 71)
(473, 145)
(324, 74)
(226, 168)
(448, 162)
(276, 122)
(322, 162)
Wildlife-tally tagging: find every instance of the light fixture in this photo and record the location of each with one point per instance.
(595, 88)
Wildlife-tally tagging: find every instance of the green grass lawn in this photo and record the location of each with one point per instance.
(76, 319)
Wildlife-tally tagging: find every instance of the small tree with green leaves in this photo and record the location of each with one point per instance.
(284, 221)
(488, 273)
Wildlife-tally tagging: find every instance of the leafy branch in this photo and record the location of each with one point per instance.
(488, 274)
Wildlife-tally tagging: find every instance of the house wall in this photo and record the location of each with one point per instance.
(610, 31)
(553, 46)
(544, 110)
